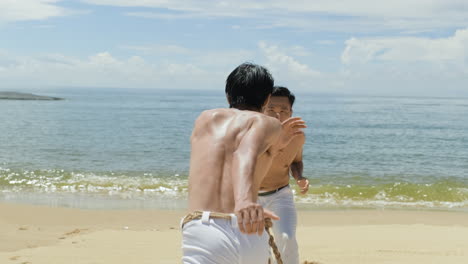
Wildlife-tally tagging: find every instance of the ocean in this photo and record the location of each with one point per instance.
(130, 148)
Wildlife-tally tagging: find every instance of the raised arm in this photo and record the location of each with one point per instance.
(291, 128)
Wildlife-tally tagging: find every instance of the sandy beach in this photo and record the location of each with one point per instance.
(44, 235)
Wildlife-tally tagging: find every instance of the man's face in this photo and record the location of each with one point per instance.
(279, 107)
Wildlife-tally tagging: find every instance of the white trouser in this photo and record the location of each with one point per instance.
(219, 241)
(282, 204)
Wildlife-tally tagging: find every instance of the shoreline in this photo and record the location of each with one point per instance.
(160, 201)
(42, 234)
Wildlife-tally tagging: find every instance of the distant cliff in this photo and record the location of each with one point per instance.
(25, 96)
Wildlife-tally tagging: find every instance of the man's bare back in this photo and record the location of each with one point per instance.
(231, 153)
(220, 138)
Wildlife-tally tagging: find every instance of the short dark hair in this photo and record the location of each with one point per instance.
(283, 91)
(248, 86)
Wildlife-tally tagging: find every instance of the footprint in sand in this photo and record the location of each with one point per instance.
(72, 233)
(75, 232)
(15, 258)
(23, 228)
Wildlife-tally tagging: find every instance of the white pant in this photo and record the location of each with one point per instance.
(219, 241)
(282, 204)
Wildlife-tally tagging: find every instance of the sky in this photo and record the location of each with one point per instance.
(397, 48)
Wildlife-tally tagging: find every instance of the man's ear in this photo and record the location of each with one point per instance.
(267, 101)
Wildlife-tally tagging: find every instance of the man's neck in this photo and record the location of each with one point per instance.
(248, 108)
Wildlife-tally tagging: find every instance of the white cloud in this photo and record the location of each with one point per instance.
(408, 65)
(198, 69)
(213, 60)
(99, 70)
(278, 59)
(391, 68)
(184, 9)
(17, 10)
(453, 49)
(384, 9)
(366, 8)
(330, 15)
(286, 69)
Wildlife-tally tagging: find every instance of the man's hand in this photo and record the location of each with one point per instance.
(251, 218)
(303, 184)
(291, 128)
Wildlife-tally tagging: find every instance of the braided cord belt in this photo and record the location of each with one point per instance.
(268, 227)
(198, 215)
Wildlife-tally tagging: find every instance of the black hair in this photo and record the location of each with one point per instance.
(248, 86)
(283, 91)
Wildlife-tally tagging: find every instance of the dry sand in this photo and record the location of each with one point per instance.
(44, 235)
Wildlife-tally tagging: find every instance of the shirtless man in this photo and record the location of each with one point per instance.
(275, 194)
(232, 150)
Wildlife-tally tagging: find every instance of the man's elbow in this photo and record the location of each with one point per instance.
(297, 164)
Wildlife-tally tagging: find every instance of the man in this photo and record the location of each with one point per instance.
(232, 150)
(275, 194)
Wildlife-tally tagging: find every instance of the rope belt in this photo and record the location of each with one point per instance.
(214, 215)
(198, 215)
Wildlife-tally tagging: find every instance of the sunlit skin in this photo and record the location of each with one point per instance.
(231, 152)
(279, 107)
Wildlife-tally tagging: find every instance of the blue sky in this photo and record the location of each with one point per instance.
(412, 47)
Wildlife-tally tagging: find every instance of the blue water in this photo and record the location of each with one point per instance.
(361, 151)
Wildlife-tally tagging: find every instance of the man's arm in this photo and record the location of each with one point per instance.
(262, 133)
(291, 128)
(297, 168)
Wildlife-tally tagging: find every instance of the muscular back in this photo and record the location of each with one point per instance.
(228, 144)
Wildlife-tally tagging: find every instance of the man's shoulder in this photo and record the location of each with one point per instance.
(212, 114)
(242, 114)
(249, 118)
(267, 122)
